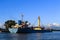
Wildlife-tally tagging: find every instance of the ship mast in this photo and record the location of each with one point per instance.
(38, 21)
(38, 27)
(22, 17)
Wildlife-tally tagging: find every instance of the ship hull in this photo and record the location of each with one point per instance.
(28, 30)
(34, 31)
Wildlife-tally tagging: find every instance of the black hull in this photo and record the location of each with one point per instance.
(27, 30)
(34, 31)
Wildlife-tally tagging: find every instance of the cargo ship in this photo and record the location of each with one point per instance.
(23, 27)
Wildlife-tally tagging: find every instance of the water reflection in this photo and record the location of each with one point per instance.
(9, 36)
(30, 36)
(39, 36)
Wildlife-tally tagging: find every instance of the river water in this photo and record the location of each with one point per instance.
(30, 36)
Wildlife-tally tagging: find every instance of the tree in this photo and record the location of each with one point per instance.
(9, 23)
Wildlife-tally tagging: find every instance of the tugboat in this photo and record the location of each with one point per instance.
(23, 27)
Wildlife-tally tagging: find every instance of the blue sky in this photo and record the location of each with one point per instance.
(48, 10)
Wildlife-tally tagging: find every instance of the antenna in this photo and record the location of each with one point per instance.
(22, 17)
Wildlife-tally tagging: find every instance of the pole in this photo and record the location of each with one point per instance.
(38, 21)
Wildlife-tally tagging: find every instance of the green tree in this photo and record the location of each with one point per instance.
(9, 23)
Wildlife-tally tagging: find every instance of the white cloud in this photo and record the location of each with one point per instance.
(56, 24)
(49, 25)
(2, 25)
